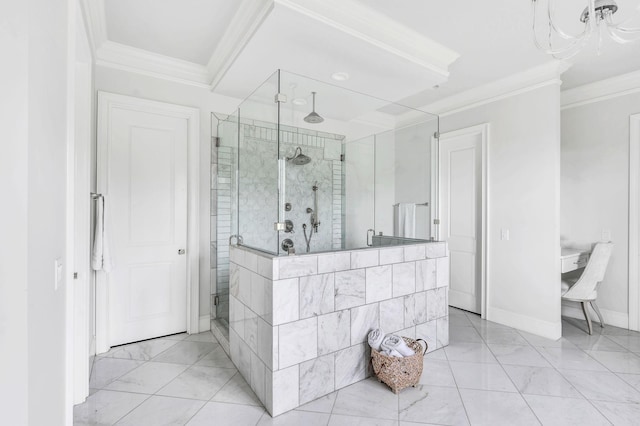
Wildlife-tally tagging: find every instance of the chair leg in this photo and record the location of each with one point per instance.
(586, 315)
(595, 308)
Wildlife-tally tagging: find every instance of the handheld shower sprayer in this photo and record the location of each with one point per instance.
(315, 221)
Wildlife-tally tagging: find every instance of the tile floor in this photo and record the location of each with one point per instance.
(488, 375)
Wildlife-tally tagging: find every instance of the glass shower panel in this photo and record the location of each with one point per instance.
(360, 181)
(223, 204)
(257, 191)
(405, 178)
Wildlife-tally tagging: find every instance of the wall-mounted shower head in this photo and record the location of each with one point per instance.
(313, 117)
(299, 159)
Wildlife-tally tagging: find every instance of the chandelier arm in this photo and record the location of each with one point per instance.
(565, 52)
(620, 27)
(613, 33)
(559, 53)
(560, 32)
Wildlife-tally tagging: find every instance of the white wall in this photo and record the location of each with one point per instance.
(523, 196)
(133, 84)
(48, 54)
(594, 190)
(14, 122)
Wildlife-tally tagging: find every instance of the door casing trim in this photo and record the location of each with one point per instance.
(107, 102)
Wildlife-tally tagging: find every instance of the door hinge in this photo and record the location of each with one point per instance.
(75, 275)
(280, 97)
(436, 221)
(341, 157)
(216, 141)
(216, 300)
(436, 135)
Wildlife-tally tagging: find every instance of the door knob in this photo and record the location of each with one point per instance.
(181, 251)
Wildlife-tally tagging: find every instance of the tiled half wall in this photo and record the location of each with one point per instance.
(299, 324)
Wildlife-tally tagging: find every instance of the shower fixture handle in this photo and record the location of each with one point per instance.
(373, 233)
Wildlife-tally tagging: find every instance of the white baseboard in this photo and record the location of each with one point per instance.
(549, 330)
(204, 324)
(616, 319)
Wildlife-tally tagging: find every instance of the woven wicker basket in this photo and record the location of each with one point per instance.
(399, 373)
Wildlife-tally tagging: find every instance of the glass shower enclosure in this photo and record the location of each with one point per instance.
(303, 166)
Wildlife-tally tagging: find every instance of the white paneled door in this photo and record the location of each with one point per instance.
(460, 170)
(145, 165)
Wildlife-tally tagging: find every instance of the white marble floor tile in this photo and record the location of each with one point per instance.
(148, 378)
(106, 370)
(342, 420)
(295, 418)
(471, 375)
(571, 359)
(142, 351)
(367, 398)
(186, 352)
(216, 358)
(237, 391)
(602, 386)
(632, 379)
(518, 355)
(198, 382)
(320, 405)
(222, 414)
(437, 405)
(618, 413)
(502, 336)
(555, 411)
(179, 336)
(497, 408)
(463, 334)
(541, 381)
(599, 370)
(438, 354)
(542, 342)
(205, 336)
(105, 407)
(459, 320)
(162, 410)
(630, 342)
(618, 362)
(595, 342)
(436, 372)
(469, 352)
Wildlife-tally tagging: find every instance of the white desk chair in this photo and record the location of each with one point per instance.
(585, 288)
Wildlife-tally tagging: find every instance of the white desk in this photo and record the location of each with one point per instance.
(572, 259)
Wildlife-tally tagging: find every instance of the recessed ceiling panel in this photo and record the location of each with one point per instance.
(299, 44)
(187, 30)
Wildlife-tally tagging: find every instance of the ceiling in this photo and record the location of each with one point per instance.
(394, 50)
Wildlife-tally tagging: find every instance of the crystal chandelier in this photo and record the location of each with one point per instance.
(597, 18)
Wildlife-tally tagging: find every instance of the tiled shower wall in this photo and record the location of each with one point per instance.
(258, 204)
(299, 324)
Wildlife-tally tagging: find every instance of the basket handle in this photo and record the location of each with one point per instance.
(426, 346)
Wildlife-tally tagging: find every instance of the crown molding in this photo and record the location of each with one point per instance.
(127, 58)
(357, 20)
(247, 19)
(516, 84)
(95, 19)
(602, 90)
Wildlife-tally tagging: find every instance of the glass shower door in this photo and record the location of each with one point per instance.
(258, 177)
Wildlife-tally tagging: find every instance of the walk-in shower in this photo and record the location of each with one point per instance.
(289, 184)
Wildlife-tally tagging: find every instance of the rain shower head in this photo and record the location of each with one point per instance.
(299, 159)
(313, 117)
